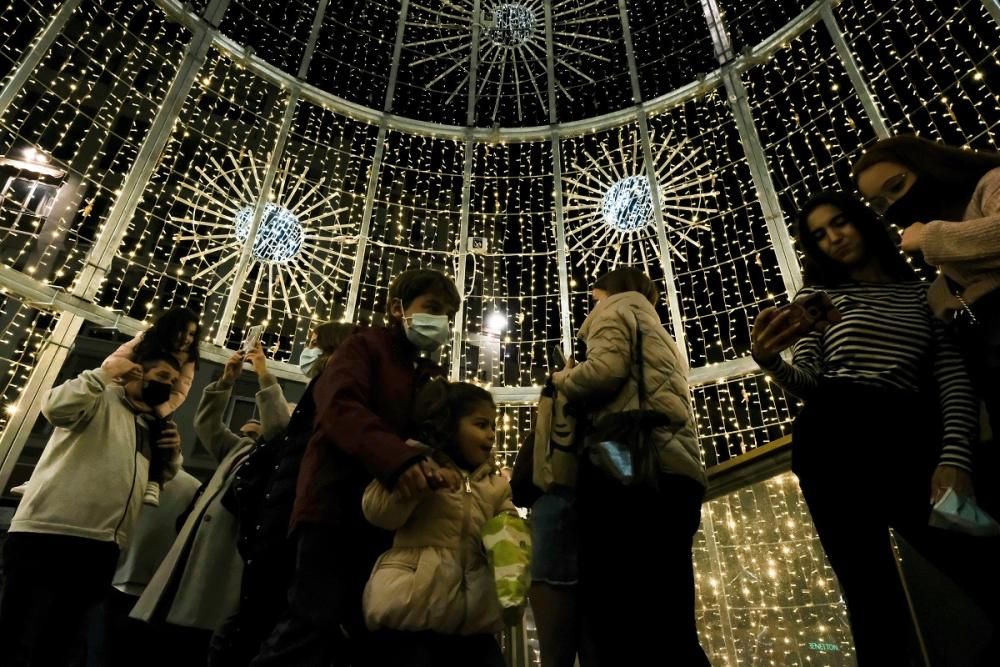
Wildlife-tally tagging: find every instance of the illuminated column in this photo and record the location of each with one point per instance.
(865, 94)
(767, 195)
(366, 217)
(993, 7)
(264, 197)
(672, 289)
(33, 57)
(463, 234)
(557, 193)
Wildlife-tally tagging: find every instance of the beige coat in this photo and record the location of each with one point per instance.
(436, 576)
(607, 381)
(204, 555)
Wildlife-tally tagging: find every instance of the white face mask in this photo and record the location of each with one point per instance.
(308, 361)
(427, 332)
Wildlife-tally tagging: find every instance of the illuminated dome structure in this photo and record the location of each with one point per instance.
(278, 163)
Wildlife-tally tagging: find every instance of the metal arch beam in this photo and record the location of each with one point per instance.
(993, 7)
(850, 63)
(397, 52)
(457, 353)
(364, 231)
(458, 335)
(698, 88)
(43, 42)
(274, 161)
(56, 347)
(666, 259)
(767, 197)
(565, 319)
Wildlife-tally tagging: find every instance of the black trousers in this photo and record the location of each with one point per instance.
(430, 649)
(636, 576)
(324, 624)
(51, 582)
(864, 458)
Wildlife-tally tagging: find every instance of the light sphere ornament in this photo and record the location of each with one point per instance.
(279, 237)
(496, 323)
(514, 23)
(627, 206)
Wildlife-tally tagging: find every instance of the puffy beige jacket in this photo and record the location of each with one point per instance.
(607, 381)
(436, 576)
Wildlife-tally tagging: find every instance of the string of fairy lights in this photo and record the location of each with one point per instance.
(71, 136)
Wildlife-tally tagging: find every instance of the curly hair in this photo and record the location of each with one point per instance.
(167, 331)
(440, 406)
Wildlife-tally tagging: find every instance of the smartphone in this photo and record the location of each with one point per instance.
(557, 358)
(252, 338)
(816, 311)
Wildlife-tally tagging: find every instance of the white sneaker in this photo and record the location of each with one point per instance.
(19, 489)
(152, 495)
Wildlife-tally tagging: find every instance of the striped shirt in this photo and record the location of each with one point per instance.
(888, 339)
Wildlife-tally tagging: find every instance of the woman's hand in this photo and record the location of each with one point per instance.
(774, 331)
(257, 359)
(949, 477)
(232, 370)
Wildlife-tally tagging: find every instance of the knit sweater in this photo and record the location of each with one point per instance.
(967, 252)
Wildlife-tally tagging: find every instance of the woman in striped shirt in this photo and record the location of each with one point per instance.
(888, 420)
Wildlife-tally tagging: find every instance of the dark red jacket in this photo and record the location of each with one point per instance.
(363, 402)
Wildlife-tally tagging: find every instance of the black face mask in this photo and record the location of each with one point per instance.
(912, 207)
(155, 392)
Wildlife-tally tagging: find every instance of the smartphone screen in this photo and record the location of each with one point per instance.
(252, 338)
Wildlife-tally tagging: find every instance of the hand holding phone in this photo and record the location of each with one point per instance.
(777, 329)
(557, 358)
(813, 312)
(251, 339)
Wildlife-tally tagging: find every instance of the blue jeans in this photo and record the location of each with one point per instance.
(555, 538)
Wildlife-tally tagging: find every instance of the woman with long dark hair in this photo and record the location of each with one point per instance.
(888, 420)
(948, 202)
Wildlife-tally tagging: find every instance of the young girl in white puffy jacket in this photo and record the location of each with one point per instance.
(433, 593)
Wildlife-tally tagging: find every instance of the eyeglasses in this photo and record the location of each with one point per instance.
(889, 194)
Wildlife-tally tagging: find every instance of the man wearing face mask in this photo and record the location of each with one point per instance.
(363, 402)
(80, 508)
(197, 585)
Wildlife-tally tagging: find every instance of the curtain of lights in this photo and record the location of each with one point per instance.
(391, 163)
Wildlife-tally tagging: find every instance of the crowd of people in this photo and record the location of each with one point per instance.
(348, 529)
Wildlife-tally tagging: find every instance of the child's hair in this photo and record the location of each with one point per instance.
(162, 337)
(628, 279)
(411, 284)
(440, 405)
